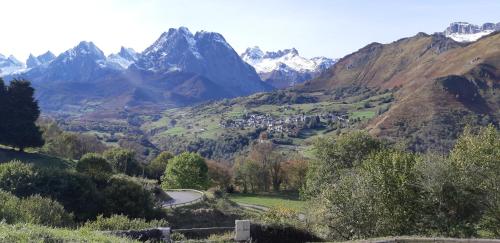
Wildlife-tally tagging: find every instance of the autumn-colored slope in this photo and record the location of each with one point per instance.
(442, 85)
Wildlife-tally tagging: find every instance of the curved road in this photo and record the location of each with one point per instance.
(181, 197)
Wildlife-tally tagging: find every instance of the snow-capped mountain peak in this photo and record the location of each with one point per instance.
(169, 41)
(270, 61)
(204, 53)
(286, 67)
(124, 58)
(466, 32)
(251, 54)
(84, 50)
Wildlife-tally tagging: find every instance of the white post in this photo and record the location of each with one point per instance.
(165, 232)
(242, 230)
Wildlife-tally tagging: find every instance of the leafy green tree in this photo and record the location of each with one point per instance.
(378, 198)
(345, 211)
(247, 175)
(95, 166)
(123, 161)
(186, 171)
(476, 157)
(158, 166)
(334, 155)
(393, 176)
(448, 208)
(3, 112)
(21, 114)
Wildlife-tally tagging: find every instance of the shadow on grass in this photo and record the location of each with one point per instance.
(38, 160)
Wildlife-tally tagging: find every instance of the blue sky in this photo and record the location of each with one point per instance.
(330, 28)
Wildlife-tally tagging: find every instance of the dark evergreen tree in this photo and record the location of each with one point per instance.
(22, 111)
(3, 111)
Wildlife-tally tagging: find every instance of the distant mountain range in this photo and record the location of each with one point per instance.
(465, 32)
(179, 68)
(182, 68)
(285, 68)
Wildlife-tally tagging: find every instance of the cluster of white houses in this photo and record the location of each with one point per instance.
(289, 125)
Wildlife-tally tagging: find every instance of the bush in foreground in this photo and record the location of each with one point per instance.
(394, 192)
(34, 210)
(36, 233)
(125, 195)
(18, 178)
(122, 222)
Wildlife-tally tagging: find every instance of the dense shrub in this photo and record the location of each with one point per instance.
(122, 222)
(18, 178)
(123, 161)
(44, 211)
(34, 209)
(125, 195)
(280, 216)
(94, 166)
(77, 192)
(9, 208)
(393, 192)
(158, 166)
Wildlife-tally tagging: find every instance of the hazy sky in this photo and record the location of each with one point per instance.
(330, 28)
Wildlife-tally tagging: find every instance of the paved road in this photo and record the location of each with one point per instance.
(181, 197)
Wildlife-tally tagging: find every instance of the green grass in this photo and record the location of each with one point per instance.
(39, 160)
(367, 114)
(175, 131)
(34, 233)
(270, 200)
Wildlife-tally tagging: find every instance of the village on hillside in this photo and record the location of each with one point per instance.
(289, 125)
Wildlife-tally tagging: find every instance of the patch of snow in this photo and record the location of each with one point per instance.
(460, 37)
